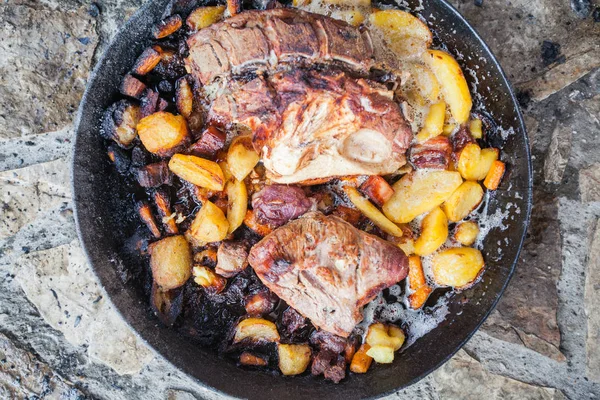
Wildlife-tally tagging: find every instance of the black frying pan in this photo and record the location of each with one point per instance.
(105, 218)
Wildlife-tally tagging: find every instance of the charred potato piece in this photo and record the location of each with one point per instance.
(147, 217)
(211, 141)
(420, 192)
(210, 224)
(203, 17)
(434, 232)
(252, 360)
(464, 200)
(207, 257)
(371, 212)
(166, 304)
(457, 267)
(417, 283)
(260, 303)
(237, 203)
(119, 158)
(406, 35)
(163, 133)
(184, 97)
(132, 86)
(293, 358)
(231, 258)
(147, 60)
(466, 233)
(453, 83)
(196, 170)
(256, 330)
(377, 189)
(171, 262)
(167, 27)
(154, 175)
(120, 122)
(361, 361)
(241, 157)
(207, 278)
(255, 225)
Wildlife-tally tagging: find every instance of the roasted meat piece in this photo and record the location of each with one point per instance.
(434, 153)
(313, 125)
(277, 204)
(270, 39)
(326, 269)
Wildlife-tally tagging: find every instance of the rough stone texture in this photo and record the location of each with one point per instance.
(22, 375)
(540, 343)
(592, 300)
(46, 57)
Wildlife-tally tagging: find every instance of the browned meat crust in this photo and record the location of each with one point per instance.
(326, 269)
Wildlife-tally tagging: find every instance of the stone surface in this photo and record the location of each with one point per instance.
(592, 300)
(463, 378)
(22, 375)
(558, 153)
(589, 183)
(46, 57)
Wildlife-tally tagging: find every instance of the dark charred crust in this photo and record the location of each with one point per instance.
(119, 123)
(166, 305)
(119, 158)
(147, 60)
(210, 143)
(147, 218)
(163, 205)
(170, 65)
(167, 26)
(132, 86)
(148, 103)
(434, 153)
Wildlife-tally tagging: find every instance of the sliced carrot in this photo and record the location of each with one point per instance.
(494, 176)
(361, 361)
(417, 283)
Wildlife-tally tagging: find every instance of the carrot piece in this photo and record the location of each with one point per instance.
(417, 283)
(361, 361)
(377, 189)
(494, 176)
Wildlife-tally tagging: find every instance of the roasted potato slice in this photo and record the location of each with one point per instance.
(171, 262)
(457, 267)
(260, 303)
(466, 233)
(241, 157)
(377, 189)
(420, 192)
(237, 203)
(475, 127)
(434, 122)
(361, 361)
(231, 258)
(371, 212)
(453, 83)
(210, 224)
(163, 133)
(120, 121)
(474, 163)
(167, 27)
(203, 17)
(257, 330)
(417, 283)
(293, 358)
(494, 176)
(199, 171)
(406, 35)
(464, 200)
(184, 97)
(385, 335)
(434, 232)
(381, 354)
(208, 279)
(147, 60)
(422, 86)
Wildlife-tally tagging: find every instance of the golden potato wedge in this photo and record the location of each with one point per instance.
(256, 330)
(203, 17)
(208, 279)
(210, 224)
(241, 157)
(371, 212)
(199, 171)
(453, 83)
(475, 127)
(434, 122)
(361, 361)
(162, 133)
(474, 163)
(488, 158)
(464, 200)
(171, 262)
(494, 175)
(184, 98)
(406, 35)
(396, 333)
(457, 267)
(434, 232)
(385, 335)
(466, 233)
(417, 283)
(422, 86)
(420, 192)
(237, 203)
(293, 358)
(381, 354)
(449, 129)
